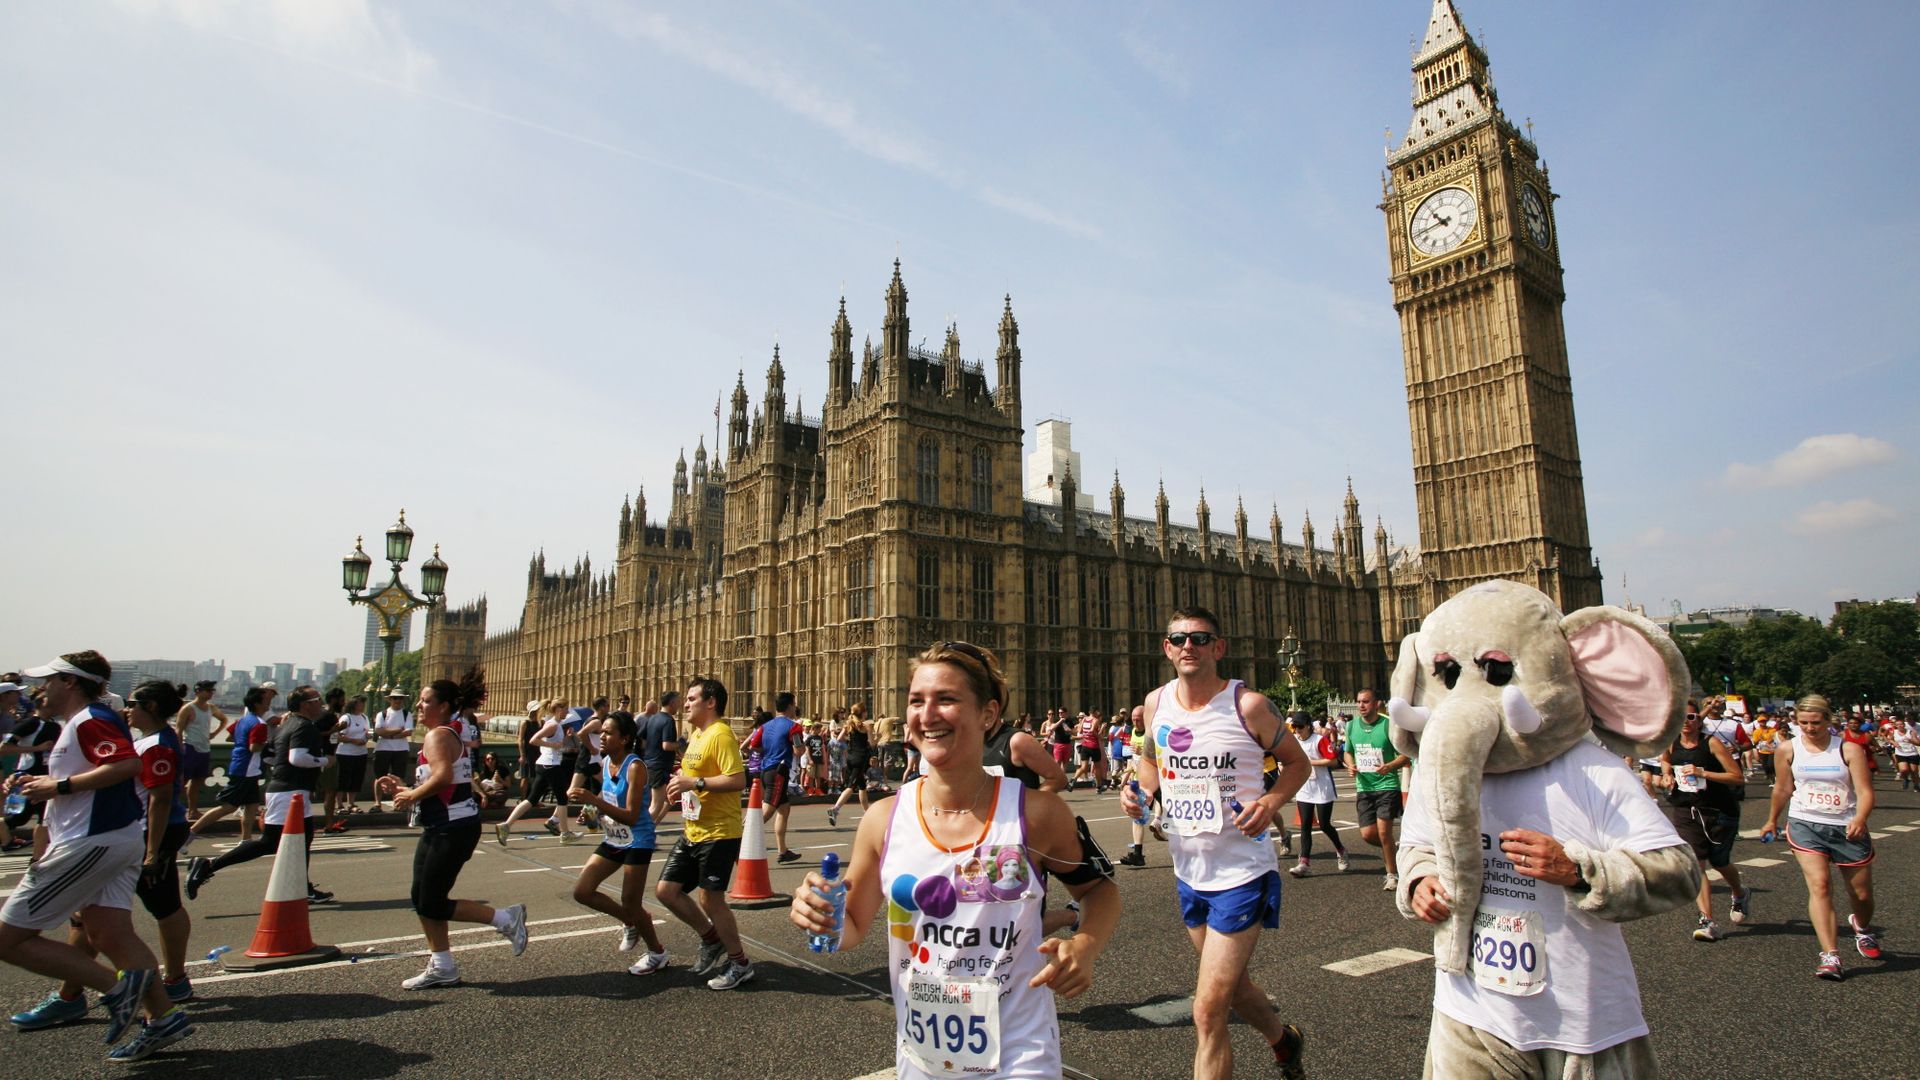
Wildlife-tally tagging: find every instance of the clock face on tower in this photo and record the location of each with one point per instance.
(1533, 210)
(1444, 219)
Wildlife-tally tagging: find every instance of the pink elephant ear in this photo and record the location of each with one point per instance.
(1625, 679)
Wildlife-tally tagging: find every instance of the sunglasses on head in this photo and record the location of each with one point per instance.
(965, 648)
(1200, 638)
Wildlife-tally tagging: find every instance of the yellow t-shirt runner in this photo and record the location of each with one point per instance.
(713, 752)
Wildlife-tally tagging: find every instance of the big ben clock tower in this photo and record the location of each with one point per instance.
(1477, 283)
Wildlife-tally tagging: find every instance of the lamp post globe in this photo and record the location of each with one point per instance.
(399, 540)
(354, 566)
(433, 575)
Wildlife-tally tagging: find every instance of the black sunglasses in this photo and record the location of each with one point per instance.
(966, 648)
(1200, 638)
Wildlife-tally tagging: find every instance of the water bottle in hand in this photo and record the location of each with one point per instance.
(1141, 798)
(835, 893)
(1233, 804)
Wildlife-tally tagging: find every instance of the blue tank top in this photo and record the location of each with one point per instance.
(613, 788)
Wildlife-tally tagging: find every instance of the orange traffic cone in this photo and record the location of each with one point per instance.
(750, 884)
(283, 938)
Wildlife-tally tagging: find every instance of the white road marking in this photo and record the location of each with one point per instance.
(1761, 862)
(535, 870)
(1383, 960)
(883, 1074)
(1901, 828)
(416, 937)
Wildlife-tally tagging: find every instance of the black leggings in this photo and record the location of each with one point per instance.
(436, 866)
(551, 780)
(1309, 813)
(266, 843)
(159, 891)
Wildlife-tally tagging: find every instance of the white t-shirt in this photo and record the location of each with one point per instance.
(355, 725)
(1590, 1000)
(1724, 729)
(393, 727)
(1319, 785)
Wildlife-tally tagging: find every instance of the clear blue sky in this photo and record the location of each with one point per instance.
(273, 270)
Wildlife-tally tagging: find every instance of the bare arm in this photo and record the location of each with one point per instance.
(442, 749)
(1782, 785)
(812, 913)
(1054, 842)
(1026, 751)
(1856, 759)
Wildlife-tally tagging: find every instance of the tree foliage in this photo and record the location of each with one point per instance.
(356, 681)
(1312, 694)
(1870, 648)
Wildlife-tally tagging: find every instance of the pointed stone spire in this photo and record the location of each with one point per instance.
(1069, 502)
(680, 473)
(1007, 362)
(776, 402)
(1162, 526)
(1117, 501)
(1452, 87)
(894, 328)
(640, 510)
(1279, 538)
(737, 419)
(840, 359)
(869, 368)
(1380, 544)
(952, 389)
(1306, 540)
(1241, 550)
(1204, 518)
(626, 520)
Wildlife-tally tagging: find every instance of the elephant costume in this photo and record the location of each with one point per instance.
(1518, 719)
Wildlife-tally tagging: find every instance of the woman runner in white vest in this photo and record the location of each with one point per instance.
(960, 860)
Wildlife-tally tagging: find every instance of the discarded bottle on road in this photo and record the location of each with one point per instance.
(836, 894)
(214, 956)
(1141, 798)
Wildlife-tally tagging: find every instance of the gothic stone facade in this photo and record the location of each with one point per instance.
(825, 552)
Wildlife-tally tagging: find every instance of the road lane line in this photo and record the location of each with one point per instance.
(1384, 960)
(416, 937)
(1900, 828)
(1761, 862)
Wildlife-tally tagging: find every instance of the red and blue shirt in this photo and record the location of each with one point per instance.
(160, 767)
(95, 736)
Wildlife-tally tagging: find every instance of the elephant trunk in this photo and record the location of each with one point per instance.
(1454, 749)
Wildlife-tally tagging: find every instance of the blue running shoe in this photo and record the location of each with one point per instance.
(154, 1035)
(51, 1012)
(179, 992)
(123, 1002)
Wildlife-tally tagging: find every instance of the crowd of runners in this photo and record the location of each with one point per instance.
(105, 793)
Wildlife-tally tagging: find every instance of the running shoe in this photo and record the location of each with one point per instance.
(1288, 1052)
(1829, 966)
(629, 938)
(123, 1002)
(1742, 908)
(1343, 863)
(500, 834)
(318, 896)
(712, 955)
(732, 977)
(553, 826)
(1300, 869)
(789, 856)
(336, 827)
(1864, 940)
(154, 1035)
(1706, 930)
(1391, 883)
(650, 963)
(1153, 824)
(569, 837)
(833, 819)
(431, 978)
(179, 991)
(1133, 857)
(516, 928)
(52, 1011)
(199, 872)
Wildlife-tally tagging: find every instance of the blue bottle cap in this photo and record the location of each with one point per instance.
(830, 865)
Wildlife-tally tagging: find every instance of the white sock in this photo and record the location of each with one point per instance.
(502, 919)
(442, 961)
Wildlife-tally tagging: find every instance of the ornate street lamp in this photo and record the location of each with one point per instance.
(1290, 656)
(393, 602)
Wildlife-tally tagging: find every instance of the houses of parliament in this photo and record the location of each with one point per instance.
(821, 554)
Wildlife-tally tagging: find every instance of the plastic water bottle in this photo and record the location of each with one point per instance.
(1141, 798)
(836, 894)
(1233, 804)
(214, 956)
(16, 799)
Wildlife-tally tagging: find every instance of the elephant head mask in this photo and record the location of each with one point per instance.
(1496, 680)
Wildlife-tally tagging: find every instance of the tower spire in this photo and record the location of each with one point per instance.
(840, 359)
(894, 328)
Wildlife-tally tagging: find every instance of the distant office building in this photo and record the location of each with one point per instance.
(373, 650)
(303, 677)
(283, 677)
(329, 671)
(128, 674)
(215, 670)
(262, 674)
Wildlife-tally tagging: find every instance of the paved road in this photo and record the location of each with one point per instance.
(1744, 1006)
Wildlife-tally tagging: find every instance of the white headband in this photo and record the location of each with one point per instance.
(59, 666)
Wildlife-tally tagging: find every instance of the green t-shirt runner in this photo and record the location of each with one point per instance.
(1371, 747)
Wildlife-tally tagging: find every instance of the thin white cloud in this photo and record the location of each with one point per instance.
(340, 30)
(1658, 536)
(787, 90)
(1158, 61)
(1829, 516)
(1815, 457)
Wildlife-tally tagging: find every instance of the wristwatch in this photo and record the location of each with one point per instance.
(700, 783)
(64, 787)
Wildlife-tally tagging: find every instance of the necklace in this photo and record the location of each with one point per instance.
(967, 809)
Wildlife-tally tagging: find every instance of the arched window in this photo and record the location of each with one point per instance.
(982, 481)
(926, 464)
